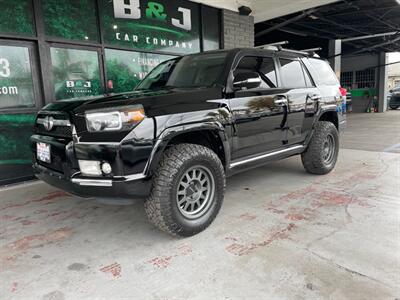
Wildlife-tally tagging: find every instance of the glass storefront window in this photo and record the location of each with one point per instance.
(71, 20)
(16, 83)
(126, 68)
(17, 17)
(76, 73)
(164, 25)
(211, 34)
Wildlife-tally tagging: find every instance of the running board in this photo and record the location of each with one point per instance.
(289, 151)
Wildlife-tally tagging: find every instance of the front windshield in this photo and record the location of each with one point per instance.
(193, 71)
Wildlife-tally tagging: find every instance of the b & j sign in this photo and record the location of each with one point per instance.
(165, 25)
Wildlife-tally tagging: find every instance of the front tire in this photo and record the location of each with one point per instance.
(322, 152)
(394, 107)
(188, 190)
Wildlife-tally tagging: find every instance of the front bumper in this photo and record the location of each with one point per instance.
(63, 172)
(130, 187)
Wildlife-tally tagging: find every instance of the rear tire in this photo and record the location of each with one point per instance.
(188, 190)
(322, 152)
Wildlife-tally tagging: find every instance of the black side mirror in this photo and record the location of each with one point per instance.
(248, 80)
(390, 91)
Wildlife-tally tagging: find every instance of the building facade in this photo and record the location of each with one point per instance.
(53, 50)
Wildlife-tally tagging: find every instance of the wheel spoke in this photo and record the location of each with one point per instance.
(197, 182)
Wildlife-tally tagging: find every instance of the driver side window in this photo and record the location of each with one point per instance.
(264, 66)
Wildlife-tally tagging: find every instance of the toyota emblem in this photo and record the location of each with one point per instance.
(48, 123)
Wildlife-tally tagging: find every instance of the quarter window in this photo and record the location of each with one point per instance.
(324, 72)
(292, 73)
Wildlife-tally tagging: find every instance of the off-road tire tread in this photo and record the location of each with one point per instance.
(158, 204)
(311, 158)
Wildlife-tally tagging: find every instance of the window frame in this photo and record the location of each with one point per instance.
(37, 90)
(51, 90)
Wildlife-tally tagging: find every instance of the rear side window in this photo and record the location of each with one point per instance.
(324, 72)
(292, 73)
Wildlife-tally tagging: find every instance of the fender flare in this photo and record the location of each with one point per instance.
(169, 133)
(320, 112)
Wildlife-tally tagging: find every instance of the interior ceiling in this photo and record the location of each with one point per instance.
(267, 9)
(340, 20)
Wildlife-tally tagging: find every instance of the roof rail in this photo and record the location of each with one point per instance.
(278, 47)
(294, 51)
(313, 51)
(273, 46)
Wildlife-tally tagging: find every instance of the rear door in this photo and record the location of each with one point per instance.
(258, 117)
(302, 96)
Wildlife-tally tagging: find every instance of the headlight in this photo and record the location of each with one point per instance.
(121, 119)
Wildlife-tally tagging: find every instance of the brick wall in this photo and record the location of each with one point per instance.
(238, 30)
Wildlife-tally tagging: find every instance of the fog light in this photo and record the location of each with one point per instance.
(90, 167)
(106, 168)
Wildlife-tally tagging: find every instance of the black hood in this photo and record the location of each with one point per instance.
(155, 103)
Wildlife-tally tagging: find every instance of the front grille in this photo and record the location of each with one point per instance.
(62, 131)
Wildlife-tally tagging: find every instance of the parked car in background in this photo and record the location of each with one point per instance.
(190, 123)
(394, 101)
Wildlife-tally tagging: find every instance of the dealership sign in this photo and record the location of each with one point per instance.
(131, 10)
(171, 26)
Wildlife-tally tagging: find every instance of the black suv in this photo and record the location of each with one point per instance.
(190, 123)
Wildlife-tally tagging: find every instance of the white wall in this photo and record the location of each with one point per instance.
(394, 70)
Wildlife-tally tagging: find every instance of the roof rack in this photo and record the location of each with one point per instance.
(273, 46)
(278, 47)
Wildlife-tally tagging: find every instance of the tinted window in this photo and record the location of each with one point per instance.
(211, 34)
(126, 68)
(76, 73)
(292, 73)
(16, 82)
(193, 71)
(324, 72)
(268, 69)
(263, 66)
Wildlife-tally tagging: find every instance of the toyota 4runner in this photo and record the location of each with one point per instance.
(193, 121)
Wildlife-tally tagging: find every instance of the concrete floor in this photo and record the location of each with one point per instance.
(281, 234)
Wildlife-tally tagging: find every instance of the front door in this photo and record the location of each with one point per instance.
(259, 113)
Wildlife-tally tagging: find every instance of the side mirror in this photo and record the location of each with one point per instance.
(248, 80)
(390, 91)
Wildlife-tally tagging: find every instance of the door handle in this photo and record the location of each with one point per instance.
(280, 101)
(315, 97)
